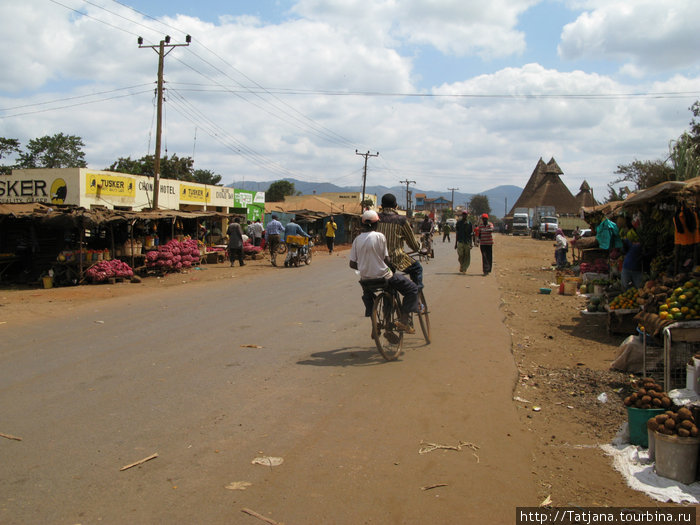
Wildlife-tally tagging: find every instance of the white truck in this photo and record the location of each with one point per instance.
(521, 222)
(545, 223)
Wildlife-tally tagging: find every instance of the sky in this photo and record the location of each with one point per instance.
(450, 93)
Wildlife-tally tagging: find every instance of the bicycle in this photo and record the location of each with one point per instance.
(386, 313)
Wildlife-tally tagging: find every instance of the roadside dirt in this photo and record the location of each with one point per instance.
(562, 358)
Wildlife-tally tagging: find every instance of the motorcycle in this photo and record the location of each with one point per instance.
(298, 250)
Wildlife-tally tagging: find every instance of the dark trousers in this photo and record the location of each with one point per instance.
(329, 243)
(486, 257)
(407, 288)
(258, 241)
(236, 254)
(415, 272)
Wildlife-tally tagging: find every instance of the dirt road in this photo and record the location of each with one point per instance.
(258, 361)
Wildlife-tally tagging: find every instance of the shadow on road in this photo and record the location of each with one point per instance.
(346, 356)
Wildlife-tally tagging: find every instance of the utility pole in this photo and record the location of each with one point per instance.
(364, 175)
(160, 49)
(452, 202)
(407, 182)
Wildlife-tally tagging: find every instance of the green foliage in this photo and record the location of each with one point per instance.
(644, 174)
(367, 203)
(206, 177)
(142, 166)
(8, 147)
(683, 157)
(479, 204)
(278, 190)
(57, 151)
(173, 167)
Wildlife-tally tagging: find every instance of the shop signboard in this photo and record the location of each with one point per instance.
(197, 194)
(57, 186)
(252, 201)
(111, 185)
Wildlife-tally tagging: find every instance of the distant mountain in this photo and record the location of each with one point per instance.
(501, 198)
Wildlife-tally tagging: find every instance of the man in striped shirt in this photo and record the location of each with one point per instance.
(397, 231)
(484, 236)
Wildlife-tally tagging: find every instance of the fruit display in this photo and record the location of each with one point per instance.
(683, 303)
(595, 305)
(648, 395)
(627, 300)
(680, 423)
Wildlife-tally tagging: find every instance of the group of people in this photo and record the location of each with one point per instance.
(378, 253)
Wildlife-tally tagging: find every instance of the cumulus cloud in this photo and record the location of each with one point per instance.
(654, 35)
(297, 97)
(451, 26)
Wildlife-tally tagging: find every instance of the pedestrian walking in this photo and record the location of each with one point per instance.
(331, 228)
(273, 234)
(464, 238)
(484, 236)
(235, 241)
(446, 232)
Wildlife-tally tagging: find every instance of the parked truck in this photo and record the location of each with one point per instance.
(521, 221)
(544, 223)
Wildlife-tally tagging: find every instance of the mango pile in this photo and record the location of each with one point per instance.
(627, 300)
(683, 303)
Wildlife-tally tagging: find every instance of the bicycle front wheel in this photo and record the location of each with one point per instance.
(387, 337)
(424, 317)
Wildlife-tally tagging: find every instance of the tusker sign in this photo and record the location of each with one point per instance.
(194, 193)
(33, 190)
(113, 185)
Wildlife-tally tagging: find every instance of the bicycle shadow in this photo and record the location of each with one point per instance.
(346, 356)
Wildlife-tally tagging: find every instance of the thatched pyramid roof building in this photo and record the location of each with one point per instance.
(545, 188)
(584, 197)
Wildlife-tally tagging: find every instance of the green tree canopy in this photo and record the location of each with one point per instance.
(173, 167)
(278, 190)
(206, 177)
(56, 151)
(479, 204)
(8, 147)
(644, 174)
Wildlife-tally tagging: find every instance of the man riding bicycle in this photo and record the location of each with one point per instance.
(370, 256)
(397, 231)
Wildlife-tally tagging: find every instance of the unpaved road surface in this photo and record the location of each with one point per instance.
(259, 362)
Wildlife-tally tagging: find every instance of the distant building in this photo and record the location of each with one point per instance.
(347, 197)
(425, 204)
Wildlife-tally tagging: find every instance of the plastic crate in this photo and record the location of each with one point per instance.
(297, 239)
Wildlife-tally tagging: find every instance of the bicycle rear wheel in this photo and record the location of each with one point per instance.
(424, 317)
(387, 337)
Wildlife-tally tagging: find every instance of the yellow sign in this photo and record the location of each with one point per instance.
(114, 185)
(194, 193)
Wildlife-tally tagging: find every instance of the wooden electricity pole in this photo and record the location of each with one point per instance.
(452, 202)
(407, 182)
(364, 175)
(160, 49)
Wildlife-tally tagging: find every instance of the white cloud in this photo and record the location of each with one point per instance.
(656, 35)
(474, 143)
(485, 29)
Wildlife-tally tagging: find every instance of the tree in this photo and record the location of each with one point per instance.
(206, 177)
(278, 190)
(7, 147)
(174, 167)
(133, 167)
(57, 151)
(479, 204)
(644, 174)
